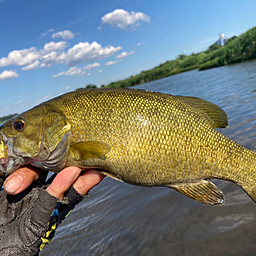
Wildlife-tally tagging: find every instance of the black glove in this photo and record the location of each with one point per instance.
(31, 217)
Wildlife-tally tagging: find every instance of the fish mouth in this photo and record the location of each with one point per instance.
(9, 162)
(50, 161)
(3, 166)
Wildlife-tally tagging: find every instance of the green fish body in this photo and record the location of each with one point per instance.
(139, 137)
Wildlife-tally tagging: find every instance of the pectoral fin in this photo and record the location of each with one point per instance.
(88, 149)
(203, 191)
(111, 175)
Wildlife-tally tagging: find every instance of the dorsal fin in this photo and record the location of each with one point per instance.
(216, 115)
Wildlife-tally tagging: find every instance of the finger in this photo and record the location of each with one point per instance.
(86, 181)
(21, 179)
(63, 181)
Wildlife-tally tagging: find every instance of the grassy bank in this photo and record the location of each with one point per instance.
(237, 49)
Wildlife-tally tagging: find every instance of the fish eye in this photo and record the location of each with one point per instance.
(18, 125)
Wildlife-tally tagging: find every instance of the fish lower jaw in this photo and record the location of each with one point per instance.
(3, 166)
(3, 161)
(2, 170)
(9, 165)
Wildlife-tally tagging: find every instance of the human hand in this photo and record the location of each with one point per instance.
(25, 176)
(25, 216)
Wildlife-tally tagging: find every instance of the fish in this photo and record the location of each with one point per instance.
(135, 136)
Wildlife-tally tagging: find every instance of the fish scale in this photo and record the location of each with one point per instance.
(140, 137)
(132, 104)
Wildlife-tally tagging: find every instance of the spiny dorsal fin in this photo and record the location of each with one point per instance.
(216, 115)
(203, 191)
(88, 149)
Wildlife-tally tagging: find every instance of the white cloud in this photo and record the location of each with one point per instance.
(140, 43)
(20, 58)
(52, 46)
(54, 53)
(44, 98)
(74, 71)
(68, 87)
(50, 54)
(124, 54)
(47, 97)
(162, 17)
(91, 66)
(111, 63)
(53, 58)
(77, 71)
(83, 52)
(48, 31)
(66, 35)
(34, 65)
(100, 71)
(215, 38)
(122, 19)
(7, 74)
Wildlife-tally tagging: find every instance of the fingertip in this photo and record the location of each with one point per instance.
(21, 179)
(87, 181)
(63, 181)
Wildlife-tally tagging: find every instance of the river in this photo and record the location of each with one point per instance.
(121, 219)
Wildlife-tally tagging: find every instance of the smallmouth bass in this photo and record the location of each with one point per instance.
(139, 137)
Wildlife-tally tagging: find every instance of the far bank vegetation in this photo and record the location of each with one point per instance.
(237, 49)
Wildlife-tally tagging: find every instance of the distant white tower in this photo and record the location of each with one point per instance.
(221, 40)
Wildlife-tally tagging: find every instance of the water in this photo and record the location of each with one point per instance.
(120, 219)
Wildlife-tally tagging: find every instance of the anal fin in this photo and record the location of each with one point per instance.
(203, 191)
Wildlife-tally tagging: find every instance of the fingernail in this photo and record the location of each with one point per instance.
(13, 184)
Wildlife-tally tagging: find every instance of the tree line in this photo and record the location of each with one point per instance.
(236, 49)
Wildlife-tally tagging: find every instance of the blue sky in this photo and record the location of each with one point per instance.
(54, 46)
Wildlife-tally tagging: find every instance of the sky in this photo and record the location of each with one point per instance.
(51, 47)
